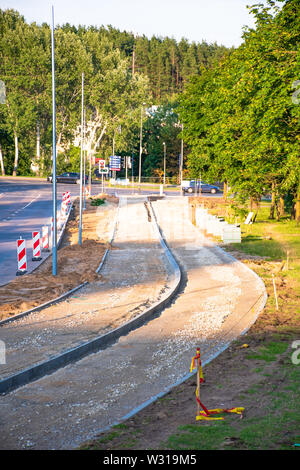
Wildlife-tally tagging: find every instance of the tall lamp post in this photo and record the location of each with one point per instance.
(81, 163)
(2, 101)
(141, 137)
(164, 144)
(54, 189)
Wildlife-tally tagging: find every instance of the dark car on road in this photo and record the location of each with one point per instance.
(192, 187)
(67, 177)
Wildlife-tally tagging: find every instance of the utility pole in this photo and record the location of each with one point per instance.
(54, 189)
(90, 173)
(2, 101)
(81, 163)
(84, 159)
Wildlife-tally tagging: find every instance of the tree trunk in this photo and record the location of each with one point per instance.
(281, 206)
(225, 191)
(277, 211)
(273, 203)
(38, 140)
(256, 205)
(16, 154)
(38, 143)
(251, 203)
(1, 162)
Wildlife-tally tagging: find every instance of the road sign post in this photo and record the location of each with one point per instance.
(103, 170)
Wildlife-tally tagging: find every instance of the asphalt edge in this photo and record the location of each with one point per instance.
(61, 232)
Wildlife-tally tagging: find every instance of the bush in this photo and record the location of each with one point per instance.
(97, 202)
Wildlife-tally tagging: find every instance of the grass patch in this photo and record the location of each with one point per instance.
(195, 437)
(273, 426)
(269, 352)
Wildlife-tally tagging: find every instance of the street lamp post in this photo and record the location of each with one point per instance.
(54, 189)
(84, 159)
(2, 101)
(164, 144)
(81, 163)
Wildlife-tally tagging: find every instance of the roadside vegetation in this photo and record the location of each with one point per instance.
(122, 72)
(241, 118)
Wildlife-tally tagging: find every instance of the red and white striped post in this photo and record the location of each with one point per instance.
(64, 208)
(36, 246)
(45, 238)
(68, 197)
(22, 259)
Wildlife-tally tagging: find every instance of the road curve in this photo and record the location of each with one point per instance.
(219, 300)
(130, 283)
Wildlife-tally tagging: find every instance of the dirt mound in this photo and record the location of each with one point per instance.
(107, 197)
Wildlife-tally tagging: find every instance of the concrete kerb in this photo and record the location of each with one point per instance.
(72, 355)
(66, 294)
(215, 354)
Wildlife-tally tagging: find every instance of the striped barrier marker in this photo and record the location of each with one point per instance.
(36, 246)
(45, 238)
(22, 259)
(59, 220)
(64, 208)
(68, 197)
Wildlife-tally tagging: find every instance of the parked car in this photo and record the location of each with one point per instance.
(68, 177)
(191, 187)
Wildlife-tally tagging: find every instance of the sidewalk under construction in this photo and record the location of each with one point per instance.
(219, 299)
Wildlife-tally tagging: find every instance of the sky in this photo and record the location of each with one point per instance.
(196, 20)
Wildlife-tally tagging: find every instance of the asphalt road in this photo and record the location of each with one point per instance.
(26, 205)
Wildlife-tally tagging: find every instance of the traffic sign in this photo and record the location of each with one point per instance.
(101, 164)
(103, 171)
(115, 163)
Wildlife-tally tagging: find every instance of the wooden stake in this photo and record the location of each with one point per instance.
(198, 388)
(275, 293)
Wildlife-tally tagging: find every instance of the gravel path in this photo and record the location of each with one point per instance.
(132, 279)
(64, 409)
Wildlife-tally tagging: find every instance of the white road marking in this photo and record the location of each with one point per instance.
(19, 210)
